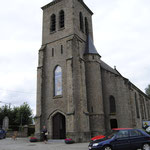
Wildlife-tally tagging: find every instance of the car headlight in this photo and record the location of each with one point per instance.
(95, 144)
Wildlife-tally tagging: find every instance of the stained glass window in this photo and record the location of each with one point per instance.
(58, 81)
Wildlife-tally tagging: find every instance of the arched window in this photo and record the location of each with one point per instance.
(112, 105)
(61, 19)
(81, 22)
(53, 23)
(57, 81)
(137, 107)
(86, 26)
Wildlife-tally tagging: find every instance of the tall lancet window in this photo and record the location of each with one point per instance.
(57, 81)
(61, 19)
(86, 26)
(53, 23)
(137, 107)
(81, 22)
(112, 105)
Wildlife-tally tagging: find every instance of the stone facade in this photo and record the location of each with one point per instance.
(82, 109)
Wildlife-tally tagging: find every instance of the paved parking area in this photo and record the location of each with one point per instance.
(24, 144)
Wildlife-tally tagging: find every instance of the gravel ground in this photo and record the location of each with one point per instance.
(24, 144)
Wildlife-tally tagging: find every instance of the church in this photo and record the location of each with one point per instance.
(78, 95)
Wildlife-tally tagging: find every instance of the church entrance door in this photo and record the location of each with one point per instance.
(113, 123)
(59, 126)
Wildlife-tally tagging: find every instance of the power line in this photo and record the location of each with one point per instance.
(18, 92)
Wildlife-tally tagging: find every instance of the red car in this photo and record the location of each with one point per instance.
(102, 136)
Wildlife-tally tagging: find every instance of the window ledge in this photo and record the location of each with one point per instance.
(58, 96)
(52, 32)
(112, 114)
(61, 29)
(82, 31)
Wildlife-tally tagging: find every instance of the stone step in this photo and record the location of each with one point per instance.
(56, 141)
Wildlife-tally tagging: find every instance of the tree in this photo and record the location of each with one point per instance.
(24, 115)
(147, 90)
(21, 115)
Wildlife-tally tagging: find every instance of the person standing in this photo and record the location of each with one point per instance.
(45, 133)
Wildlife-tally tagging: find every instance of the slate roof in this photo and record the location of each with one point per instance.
(108, 68)
(90, 48)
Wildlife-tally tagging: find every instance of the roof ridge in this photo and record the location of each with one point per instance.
(108, 68)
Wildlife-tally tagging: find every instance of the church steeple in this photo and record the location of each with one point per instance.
(61, 92)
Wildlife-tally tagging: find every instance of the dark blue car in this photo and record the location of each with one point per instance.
(127, 139)
(2, 134)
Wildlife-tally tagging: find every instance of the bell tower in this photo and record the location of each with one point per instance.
(62, 98)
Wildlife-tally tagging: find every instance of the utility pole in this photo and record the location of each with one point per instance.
(9, 104)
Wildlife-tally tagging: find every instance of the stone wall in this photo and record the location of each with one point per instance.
(124, 93)
(22, 133)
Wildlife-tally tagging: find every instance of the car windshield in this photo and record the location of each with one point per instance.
(111, 134)
(1, 131)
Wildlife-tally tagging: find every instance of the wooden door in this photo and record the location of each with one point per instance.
(59, 126)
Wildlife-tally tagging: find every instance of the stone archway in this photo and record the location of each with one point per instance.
(59, 126)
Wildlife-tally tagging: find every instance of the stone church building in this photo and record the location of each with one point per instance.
(78, 95)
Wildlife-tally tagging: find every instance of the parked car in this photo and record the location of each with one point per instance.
(122, 139)
(102, 136)
(2, 134)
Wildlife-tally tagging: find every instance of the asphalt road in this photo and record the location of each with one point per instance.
(24, 144)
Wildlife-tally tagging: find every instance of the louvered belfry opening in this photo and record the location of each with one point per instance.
(53, 23)
(61, 19)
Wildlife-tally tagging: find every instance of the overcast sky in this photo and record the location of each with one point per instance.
(121, 36)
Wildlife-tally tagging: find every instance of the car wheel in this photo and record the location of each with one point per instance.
(107, 148)
(146, 147)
